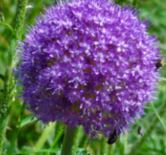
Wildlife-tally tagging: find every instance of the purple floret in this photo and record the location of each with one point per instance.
(89, 63)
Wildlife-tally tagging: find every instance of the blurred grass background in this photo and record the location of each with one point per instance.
(27, 135)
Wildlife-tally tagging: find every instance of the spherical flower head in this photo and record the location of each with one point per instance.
(89, 63)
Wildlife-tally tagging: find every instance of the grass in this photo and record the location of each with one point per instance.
(25, 135)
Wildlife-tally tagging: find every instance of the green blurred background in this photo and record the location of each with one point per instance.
(27, 135)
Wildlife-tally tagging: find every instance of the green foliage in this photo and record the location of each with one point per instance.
(25, 135)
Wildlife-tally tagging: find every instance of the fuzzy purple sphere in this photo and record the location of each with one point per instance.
(89, 63)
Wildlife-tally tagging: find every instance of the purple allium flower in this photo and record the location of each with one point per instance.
(90, 63)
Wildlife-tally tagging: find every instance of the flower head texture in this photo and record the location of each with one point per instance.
(89, 63)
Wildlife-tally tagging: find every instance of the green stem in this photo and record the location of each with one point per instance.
(4, 109)
(59, 128)
(20, 18)
(2, 135)
(9, 83)
(68, 141)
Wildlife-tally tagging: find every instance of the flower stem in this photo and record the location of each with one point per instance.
(20, 17)
(68, 141)
(9, 83)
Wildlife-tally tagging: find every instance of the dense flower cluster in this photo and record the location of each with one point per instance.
(90, 63)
